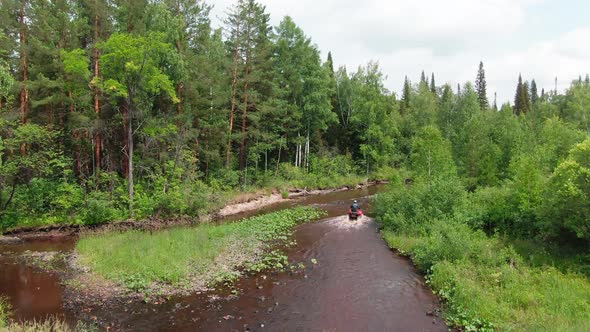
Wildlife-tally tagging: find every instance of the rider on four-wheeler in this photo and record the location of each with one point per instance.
(355, 206)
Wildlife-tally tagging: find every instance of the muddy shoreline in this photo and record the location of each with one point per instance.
(236, 207)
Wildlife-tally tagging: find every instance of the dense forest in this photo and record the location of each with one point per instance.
(127, 109)
(118, 109)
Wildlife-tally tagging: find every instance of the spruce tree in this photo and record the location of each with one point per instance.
(587, 80)
(534, 92)
(522, 99)
(518, 102)
(480, 87)
(329, 67)
(432, 84)
(406, 94)
(423, 78)
(335, 132)
(495, 107)
(526, 97)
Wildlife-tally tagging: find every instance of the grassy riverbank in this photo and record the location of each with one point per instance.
(486, 285)
(487, 282)
(190, 258)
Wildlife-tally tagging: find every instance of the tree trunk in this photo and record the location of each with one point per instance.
(75, 139)
(72, 107)
(179, 85)
(179, 105)
(301, 153)
(244, 123)
(197, 150)
(24, 93)
(97, 139)
(278, 160)
(307, 153)
(233, 100)
(125, 140)
(130, 156)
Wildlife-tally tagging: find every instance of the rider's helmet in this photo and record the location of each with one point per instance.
(355, 201)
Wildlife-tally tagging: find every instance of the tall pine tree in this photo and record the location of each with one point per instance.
(534, 92)
(406, 94)
(522, 102)
(480, 87)
(432, 84)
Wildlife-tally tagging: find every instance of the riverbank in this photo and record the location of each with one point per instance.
(181, 260)
(486, 285)
(237, 203)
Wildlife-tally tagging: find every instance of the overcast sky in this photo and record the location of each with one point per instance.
(542, 39)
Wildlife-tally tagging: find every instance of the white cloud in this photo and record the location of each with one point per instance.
(448, 38)
(575, 43)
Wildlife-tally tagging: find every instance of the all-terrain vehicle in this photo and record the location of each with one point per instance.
(354, 215)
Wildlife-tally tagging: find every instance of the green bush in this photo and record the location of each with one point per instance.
(45, 201)
(224, 179)
(489, 209)
(567, 206)
(289, 172)
(100, 209)
(333, 166)
(413, 208)
(390, 174)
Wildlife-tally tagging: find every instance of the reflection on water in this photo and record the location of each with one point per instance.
(33, 294)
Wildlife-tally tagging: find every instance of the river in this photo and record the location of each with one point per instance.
(356, 284)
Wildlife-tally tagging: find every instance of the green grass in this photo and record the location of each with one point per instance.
(4, 312)
(183, 257)
(566, 258)
(48, 325)
(487, 285)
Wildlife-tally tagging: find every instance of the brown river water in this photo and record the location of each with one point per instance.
(357, 284)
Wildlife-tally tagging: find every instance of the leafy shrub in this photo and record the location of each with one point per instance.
(390, 174)
(489, 209)
(46, 201)
(412, 208)
(431, 155)
(333, 166)
(568, 195)
(100, 209)
(289, 172)
(224, 179)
